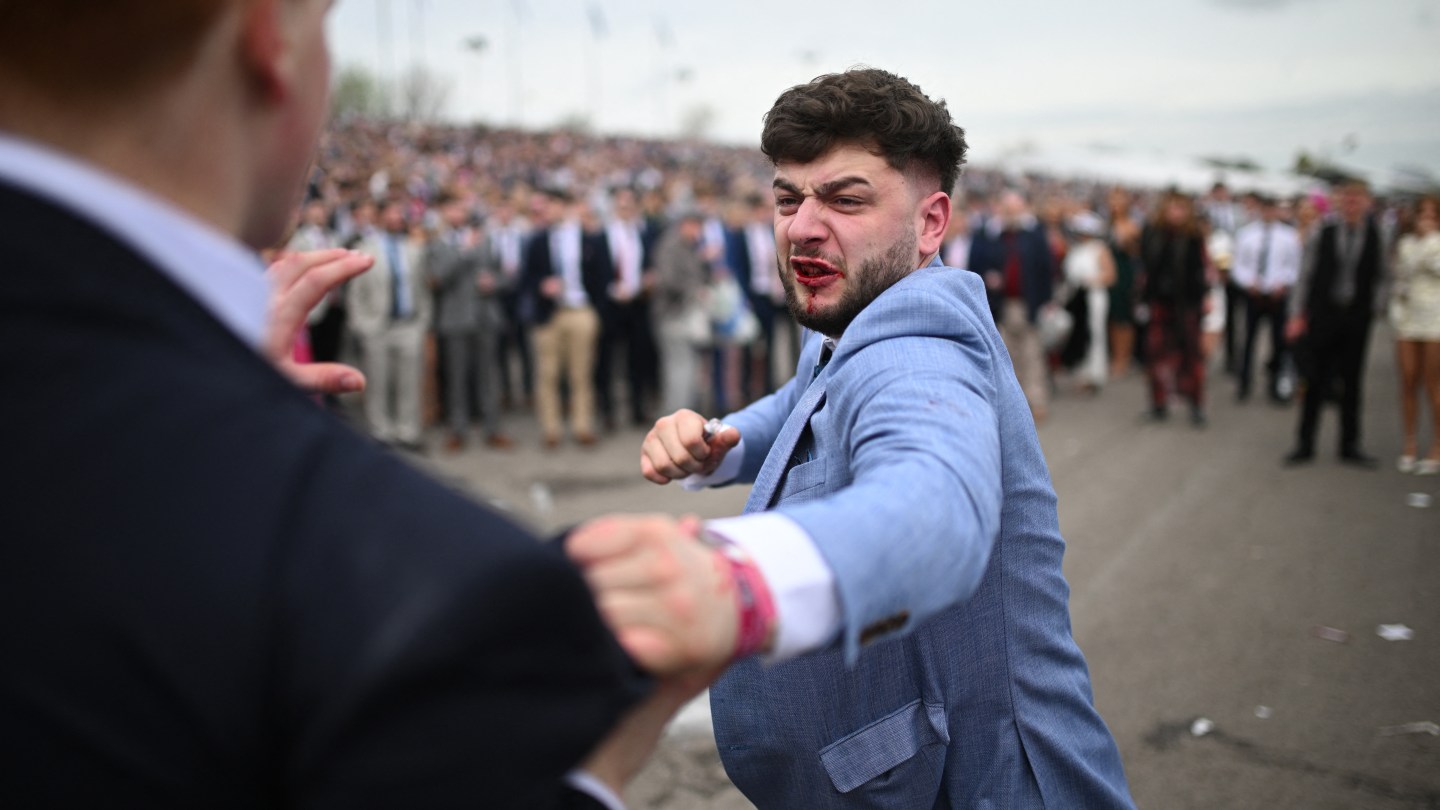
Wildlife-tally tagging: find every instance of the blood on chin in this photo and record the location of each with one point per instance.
(818, 297)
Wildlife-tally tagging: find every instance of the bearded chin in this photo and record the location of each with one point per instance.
(876, 275)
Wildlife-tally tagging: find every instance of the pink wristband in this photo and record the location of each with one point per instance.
(753, 602)
(757, 608)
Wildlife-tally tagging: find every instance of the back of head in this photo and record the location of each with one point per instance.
(98, 52)
(878, 110)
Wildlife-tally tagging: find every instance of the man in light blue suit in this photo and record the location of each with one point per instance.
(900, 553)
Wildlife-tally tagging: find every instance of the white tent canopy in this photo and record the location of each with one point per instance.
(1147, 170)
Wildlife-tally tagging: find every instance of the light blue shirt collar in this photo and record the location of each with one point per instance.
(225, 277)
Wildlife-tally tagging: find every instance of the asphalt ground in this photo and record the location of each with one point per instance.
(1209, 583)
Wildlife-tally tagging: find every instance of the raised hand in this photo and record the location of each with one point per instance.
(299, 282)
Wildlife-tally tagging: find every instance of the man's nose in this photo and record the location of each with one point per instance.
(807, 226)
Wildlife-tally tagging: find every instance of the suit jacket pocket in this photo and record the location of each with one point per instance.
(802, 482)
(880, 752)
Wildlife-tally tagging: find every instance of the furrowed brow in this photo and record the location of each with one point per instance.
(839, 184)
(786, 186)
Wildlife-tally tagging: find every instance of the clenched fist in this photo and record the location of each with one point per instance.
(669, 598)
(676, 448)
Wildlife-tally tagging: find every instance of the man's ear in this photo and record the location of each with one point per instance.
(265, 51)
(933, 218)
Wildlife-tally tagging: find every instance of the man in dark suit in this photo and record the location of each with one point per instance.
(1019, 271)
(214, 593)
(1331, 308)
(632, 246)
(565, 283)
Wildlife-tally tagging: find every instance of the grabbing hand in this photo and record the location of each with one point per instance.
(669, 598)
(676, 448)
(299, 282)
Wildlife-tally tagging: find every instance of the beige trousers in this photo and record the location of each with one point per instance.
(1022, 340)
(566, 344)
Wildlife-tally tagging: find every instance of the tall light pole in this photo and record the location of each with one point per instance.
(476, 45)
(385, 73)
(517, 55)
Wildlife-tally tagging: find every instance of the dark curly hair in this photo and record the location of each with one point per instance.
(883, 112)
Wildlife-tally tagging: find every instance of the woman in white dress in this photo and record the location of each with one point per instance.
(1415, 314)
(1089, 265)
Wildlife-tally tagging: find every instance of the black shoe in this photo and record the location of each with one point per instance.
(1242, 395)
(1355, 458)
(1198, 418)
(1299, 456)
(1157, 413)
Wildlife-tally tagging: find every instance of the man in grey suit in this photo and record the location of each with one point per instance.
(390, 309)
(898, 634)
(468, 319)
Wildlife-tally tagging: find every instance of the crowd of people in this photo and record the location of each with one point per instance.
(600, 280)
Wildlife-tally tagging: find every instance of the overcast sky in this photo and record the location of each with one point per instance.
(1358, 81)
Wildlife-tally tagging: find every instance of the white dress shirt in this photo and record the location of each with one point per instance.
(628, 251)
(956, 252)
(1275, 244)
(509, 242)
(223, 276)
(565, 239)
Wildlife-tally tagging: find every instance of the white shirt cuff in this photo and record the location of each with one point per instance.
(595, 789)
(724, 474)
(807, 605)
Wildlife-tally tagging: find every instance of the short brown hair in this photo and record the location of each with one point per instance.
(885, 113)
(100, 49)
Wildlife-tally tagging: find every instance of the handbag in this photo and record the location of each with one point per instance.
(732, 322)
(1054, 324)
(695, 326)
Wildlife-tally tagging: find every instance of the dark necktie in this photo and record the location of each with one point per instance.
(399, 299)
(825, 351)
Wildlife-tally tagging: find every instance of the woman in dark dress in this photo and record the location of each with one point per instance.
(1172, 258)
(1123, 235)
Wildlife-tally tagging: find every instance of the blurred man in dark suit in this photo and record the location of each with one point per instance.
(565, 284)
(1331, 309)
(214, 593)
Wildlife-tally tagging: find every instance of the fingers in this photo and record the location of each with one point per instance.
(291, 266)
(604, 538)
(725, 441)
(669, 599)
(325, 378)
(310, 276)
(647, 469)
(675, 448)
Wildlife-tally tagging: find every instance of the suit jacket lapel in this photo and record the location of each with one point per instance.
(777, 461)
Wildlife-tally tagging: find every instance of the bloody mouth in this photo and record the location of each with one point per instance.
(814, 272)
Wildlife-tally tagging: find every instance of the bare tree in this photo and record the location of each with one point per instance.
(359, 94)
(697, 121)
(423, 95)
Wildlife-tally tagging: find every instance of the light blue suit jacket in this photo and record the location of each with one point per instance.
(912, 460)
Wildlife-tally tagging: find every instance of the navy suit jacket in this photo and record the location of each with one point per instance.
(1037, 268)
(214, 594)
(597, 271)
(956, 682)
